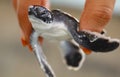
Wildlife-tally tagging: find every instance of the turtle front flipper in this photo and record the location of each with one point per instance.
(73, 56)
(40, 55)
(91, 40)
(96, 41)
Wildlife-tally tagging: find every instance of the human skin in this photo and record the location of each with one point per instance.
(96, 14)
(21, 8)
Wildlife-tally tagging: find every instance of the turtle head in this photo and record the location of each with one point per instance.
(39, 13)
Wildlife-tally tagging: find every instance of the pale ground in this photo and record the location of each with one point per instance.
(17, 61)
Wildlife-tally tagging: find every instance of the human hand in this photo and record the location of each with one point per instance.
(21, 8)
(96, 15)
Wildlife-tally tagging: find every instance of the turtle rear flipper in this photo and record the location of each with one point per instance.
(74, 57)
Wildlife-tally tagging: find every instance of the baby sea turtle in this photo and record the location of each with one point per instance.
(62, 27)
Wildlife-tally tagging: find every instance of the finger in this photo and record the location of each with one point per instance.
(96, 14)
(15, 4)
(45, 3)
(22, 12)
(86, 51)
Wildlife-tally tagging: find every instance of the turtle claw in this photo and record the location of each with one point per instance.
(97, 42)
(74, 57)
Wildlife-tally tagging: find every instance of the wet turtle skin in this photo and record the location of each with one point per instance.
(91, 40)
(73, 56)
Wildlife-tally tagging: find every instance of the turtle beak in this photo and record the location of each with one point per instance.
(30, 10)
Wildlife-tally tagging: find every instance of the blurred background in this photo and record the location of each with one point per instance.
(17, 61)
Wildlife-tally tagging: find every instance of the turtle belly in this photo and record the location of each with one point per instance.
(58, 32)
(53, 31)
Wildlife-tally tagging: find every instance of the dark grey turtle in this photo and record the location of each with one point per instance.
(59, 26)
